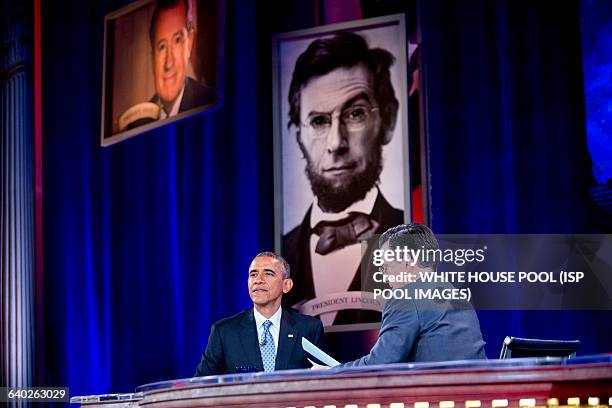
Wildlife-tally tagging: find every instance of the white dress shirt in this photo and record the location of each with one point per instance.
(175, 107)
(334, 272)
(274, 328)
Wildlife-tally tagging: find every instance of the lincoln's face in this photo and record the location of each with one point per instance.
(171, 51)
(340, 136)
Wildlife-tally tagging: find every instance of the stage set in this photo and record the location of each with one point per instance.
(317, 203)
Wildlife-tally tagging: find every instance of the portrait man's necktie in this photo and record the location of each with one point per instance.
(335, 235)
(268, 352)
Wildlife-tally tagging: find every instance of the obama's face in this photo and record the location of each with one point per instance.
(171, 50)
(340, 136)
(267, 282)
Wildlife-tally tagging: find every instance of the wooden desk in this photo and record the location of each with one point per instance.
(494, 383)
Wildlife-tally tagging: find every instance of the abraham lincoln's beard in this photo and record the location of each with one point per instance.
(336, 197)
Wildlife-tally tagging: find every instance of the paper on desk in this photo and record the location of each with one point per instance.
(318, 353)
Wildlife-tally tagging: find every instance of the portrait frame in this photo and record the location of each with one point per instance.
(128, 79)
(387, 32)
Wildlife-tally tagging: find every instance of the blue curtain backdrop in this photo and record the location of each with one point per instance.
(147, 242)
(506, 125)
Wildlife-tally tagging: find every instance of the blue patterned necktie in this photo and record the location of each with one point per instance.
(268, 353)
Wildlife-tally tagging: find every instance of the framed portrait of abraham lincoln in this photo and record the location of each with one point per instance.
(341, 160)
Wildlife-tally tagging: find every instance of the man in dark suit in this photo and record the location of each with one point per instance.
(419, 330)
(194, 95)
(343, 110)
(266, 337)
(172, 35)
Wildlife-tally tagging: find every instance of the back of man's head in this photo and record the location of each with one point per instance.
(413, 236)
(344, 50)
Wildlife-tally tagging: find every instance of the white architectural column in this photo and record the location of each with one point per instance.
(17, 267)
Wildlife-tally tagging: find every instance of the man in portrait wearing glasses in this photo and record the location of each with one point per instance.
(172, 38)
(343, 110)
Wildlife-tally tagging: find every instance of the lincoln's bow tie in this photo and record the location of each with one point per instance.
(335, 235)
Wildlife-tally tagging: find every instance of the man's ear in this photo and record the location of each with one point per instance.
(287, 285)
(190, 38)
(390, 128)
(294, 131)
(409, 268)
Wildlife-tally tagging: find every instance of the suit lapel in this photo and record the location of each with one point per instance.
(249, 341)
(306, 284)
(296, 249)
(186, 96)
(286, 341)
(386, 215)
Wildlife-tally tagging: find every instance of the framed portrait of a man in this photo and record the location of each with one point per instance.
(163, 62)
(341, 160)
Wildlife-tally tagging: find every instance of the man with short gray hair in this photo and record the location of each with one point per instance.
(424, 329)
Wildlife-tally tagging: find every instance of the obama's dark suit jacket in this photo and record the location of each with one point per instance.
(233, 345)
